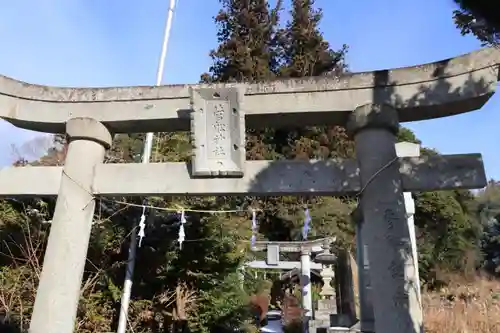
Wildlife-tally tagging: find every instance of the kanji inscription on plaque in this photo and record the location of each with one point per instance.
(217, 132)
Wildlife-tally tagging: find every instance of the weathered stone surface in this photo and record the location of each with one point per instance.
(385, 231)
(217, 132)
(367, 321)
(58, 292)
(330, 177)
(438, 89)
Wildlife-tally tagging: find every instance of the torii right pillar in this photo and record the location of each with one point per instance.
(392, 267)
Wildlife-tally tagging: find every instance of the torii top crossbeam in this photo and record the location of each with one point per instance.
(434, 90)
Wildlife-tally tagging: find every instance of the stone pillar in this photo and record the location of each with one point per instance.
(305, 281)
(385, 230)
(60, 281)
(367, 320)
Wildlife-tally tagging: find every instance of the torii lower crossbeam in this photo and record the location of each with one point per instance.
(262, 178)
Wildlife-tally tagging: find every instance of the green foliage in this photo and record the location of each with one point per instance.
(447, 232)
(406, 135)
(22, 240)
(480, 18)
(488, 210)
(304, 50)
(247, 42)
(222, 309)
(488, 203)
(256, 284)
(294, 51)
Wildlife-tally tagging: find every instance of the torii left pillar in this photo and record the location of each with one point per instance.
(58, 292)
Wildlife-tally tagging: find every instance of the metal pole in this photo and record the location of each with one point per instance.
(127, 286)
(148, 145)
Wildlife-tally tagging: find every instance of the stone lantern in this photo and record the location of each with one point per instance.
(325, 257)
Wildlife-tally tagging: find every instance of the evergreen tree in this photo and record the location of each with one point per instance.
(305, 51)
(247, 44)
(248, 51)
(480, 18)
(488, 211)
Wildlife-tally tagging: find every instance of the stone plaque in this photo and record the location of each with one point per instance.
(217, 132)
(273, 255)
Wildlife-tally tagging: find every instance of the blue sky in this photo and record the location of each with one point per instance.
(117, 43)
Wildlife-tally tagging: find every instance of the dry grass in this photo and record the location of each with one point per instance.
(464, 307)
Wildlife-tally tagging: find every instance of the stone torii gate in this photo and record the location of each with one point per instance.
(371, 104)
(306, 249)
